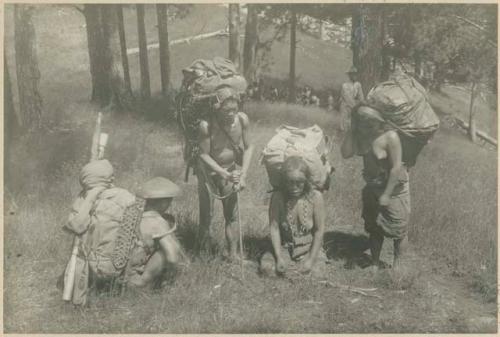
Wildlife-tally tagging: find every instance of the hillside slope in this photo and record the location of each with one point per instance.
(452, 234)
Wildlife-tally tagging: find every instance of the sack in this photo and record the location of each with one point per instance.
(106, 233)
(203, 77)
(403, 103)
(196, 100)
(310, 144)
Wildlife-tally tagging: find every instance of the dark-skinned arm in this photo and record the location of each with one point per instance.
(247, 145)
(394, 152)
(319, 226)
(204, 143)
(275, 209)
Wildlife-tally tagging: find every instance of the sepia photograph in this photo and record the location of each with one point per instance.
(250, 168)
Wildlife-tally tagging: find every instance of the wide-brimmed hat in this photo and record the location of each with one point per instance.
(159, 188)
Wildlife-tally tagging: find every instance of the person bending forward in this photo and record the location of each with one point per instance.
(297, 222)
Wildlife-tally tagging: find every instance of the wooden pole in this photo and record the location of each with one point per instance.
(481, 134)
(69, 273)
(472, 122)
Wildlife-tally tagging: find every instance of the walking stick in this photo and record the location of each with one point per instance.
(99, 141)
(240, 231)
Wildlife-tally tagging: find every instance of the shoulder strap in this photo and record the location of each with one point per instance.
(124, 243)
(235, 146)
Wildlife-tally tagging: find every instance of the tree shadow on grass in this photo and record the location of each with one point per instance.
(348, 247)
(337, 245)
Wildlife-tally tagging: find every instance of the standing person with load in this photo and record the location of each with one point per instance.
(351, 95)
(123, 238)
(224, 145)
(389, 138)
(217, 143)
(298, 171)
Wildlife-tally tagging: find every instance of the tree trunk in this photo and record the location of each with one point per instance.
(143, 53)
(28, 74)
(162, 13)
(94, 42)
(115, 93)
(250, 46)
(472, 121)
(11, 123)
(367, 44)
(293, 42)
(123, 46)
(234, 34)
(386, 62)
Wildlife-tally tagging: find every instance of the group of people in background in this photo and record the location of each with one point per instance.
(350, 94)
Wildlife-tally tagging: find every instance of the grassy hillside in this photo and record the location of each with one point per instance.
(450, 232)
(453, 228)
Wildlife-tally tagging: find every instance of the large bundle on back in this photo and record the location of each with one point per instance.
(310, 144)
(197, 97)
(403, 103)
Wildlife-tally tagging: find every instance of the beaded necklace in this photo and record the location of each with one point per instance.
(300, 222)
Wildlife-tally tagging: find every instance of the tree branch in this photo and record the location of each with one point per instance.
(78, 9)
(473, 24)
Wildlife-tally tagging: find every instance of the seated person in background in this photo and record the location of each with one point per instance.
(297, 223)
(315, 100)
(330, 102)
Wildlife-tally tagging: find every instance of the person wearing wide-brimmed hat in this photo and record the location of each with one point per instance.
(159, 246)
(350, 96)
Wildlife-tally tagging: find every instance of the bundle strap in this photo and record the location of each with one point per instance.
(128, 233)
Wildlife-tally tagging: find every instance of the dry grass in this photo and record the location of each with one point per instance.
(453, 229)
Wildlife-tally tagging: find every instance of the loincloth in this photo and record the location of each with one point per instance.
(391, 220)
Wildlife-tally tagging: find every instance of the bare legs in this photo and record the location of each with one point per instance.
(230, 210)
(376, 242)
(400, 248)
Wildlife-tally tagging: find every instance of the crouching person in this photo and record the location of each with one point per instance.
(158, 248)
(297, 222)
(122, 238)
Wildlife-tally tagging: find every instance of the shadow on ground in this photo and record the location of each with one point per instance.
(348, 247)
(337, 245)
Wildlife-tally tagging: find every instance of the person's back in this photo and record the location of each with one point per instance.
(104, 227)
